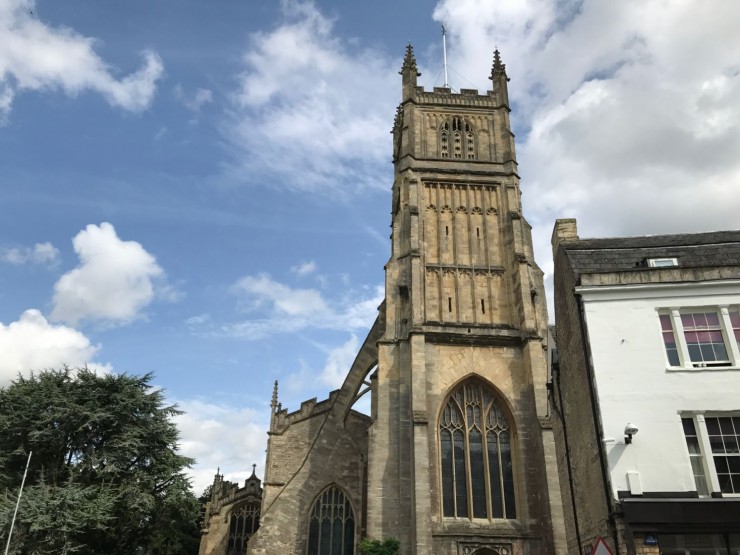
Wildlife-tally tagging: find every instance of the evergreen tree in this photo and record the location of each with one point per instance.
(105, 476)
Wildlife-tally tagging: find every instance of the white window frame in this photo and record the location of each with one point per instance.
(679, 336)
(662, 262)
(707, 457)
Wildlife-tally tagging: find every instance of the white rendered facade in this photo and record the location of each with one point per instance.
(637, 384)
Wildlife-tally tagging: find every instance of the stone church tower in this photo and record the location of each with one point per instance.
(461, 453)
(457, 456)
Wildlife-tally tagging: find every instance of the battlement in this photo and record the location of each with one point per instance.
(309, 408)
(468, 98)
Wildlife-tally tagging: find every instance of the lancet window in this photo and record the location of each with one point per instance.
(456, 139)
(243, 522)
(475, 445)
(331, 527)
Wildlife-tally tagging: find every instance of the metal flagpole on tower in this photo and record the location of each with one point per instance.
(17, 503)
(444, 53)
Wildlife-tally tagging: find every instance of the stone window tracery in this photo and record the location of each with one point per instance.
(243, 522)
(331, 527)
(476, 460)
(457, 139)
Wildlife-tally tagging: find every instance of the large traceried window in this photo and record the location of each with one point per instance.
(243, 522)
(331, 526)
(475, 446)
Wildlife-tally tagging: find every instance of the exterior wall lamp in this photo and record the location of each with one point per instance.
(629, 431)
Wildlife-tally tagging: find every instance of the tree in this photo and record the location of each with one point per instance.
(105, 475)
(390, 546)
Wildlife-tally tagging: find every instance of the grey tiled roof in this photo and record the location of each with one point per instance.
(693, 250)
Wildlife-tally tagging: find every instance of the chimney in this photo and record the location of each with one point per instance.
(565, 230)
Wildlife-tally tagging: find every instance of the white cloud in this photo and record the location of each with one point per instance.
(262, 289)
(279, 308)
(113, 283)
(304, 269)
(630, 111)
(194, 102)
(338, 363)
(32, 343)
(307, 114)
(35, 56)
(218, 435)
(41, 253)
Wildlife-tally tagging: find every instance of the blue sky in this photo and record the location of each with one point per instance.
(202, 189)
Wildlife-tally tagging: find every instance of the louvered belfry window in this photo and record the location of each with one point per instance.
(475, 445)
(331, 529)
(456, 139)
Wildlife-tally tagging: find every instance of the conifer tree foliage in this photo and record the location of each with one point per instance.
(105, 476)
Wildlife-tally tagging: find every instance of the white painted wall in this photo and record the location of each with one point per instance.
(635, 384)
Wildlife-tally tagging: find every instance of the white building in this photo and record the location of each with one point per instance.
(646, 392)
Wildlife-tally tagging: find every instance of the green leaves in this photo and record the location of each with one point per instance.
(105, 476)
(390, 546)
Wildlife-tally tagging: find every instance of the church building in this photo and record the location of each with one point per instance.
(457, 455)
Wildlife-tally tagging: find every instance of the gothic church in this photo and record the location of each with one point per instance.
(457, 455)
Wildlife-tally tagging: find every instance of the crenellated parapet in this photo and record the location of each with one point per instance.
(283, 419)
(466, 98)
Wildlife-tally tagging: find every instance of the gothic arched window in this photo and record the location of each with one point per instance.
(456, 136)
(243, 522)
(331, 526)
(475, 445)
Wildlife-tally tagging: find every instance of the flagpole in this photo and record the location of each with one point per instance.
(17, 503)
(444, 53)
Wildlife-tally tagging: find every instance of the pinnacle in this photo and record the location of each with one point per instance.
(274, 402)
(409, 61)
(498, 67)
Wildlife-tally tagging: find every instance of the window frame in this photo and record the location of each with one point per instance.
(662, 262)
(251, 508)
(353, 515)
(729, 331)
(707, 456)
(498, 401)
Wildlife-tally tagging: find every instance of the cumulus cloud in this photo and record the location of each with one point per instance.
(36, 56)
(279, 308)
(627, 112)
(221, 436)
(41, 253)
(305, 114)
(113, 282)
(32, 343)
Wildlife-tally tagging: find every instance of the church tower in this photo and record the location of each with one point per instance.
(457, 456)
(461, 457)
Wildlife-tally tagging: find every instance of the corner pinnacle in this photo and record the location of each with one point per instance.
(274, 402)
(409, 61)
(498, 69)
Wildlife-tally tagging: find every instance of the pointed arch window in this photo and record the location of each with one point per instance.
(243, 522)
(331, 527)
(475, 446)
(456, 139)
